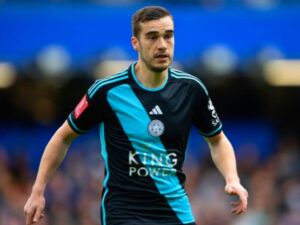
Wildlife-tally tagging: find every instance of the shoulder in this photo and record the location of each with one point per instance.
(105, 84)
(182, 76)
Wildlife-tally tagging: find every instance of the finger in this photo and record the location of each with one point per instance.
(37, 215)
(243, 195)
(25, 209)
(238, 209)
(234, 211)
(29, 216)
(244, 202)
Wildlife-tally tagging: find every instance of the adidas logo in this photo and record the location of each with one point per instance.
(156, 111)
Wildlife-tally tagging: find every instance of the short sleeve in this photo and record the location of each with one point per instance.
(88, 112)
(205, 116)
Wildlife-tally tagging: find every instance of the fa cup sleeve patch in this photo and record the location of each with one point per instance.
(82, 105)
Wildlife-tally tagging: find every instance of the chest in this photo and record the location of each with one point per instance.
(144, 115)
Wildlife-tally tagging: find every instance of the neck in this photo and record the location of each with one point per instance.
(149, 78)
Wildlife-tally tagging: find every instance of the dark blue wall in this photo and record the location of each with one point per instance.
(87, 30)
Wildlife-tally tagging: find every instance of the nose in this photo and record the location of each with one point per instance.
(162, 45)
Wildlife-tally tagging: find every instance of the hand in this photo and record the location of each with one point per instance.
(34, 208)
(235, 188)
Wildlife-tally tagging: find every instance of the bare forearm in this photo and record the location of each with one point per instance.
(51, 159)
(53, 155)
(224, 158)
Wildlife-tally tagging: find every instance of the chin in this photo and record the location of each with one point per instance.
(161, 67)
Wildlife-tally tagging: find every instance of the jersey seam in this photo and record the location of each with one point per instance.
(97, 82)
(189, 77)
(107, 82)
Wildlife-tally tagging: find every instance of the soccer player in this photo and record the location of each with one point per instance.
(144, 115)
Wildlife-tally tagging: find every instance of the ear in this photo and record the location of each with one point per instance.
(135, 43)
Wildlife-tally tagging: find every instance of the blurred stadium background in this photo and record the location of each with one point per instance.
(247, 52)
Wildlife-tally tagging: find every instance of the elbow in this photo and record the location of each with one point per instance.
(215, 139)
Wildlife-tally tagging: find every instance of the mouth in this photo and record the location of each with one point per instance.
(161, 56)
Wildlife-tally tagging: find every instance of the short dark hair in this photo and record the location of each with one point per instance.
(146, 14)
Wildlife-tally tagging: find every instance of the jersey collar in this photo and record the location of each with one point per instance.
(131, 70)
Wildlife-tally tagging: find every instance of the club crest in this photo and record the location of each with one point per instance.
(156, 128)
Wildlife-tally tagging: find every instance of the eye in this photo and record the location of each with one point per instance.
(152, 37)
(169, 36)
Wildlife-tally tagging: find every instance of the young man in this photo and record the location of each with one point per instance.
(145, 114)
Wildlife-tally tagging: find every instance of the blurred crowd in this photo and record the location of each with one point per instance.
(73, 195)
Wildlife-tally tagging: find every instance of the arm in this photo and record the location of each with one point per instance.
(53, 155)
(224, 158)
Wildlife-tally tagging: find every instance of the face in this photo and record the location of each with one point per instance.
(155, 43)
